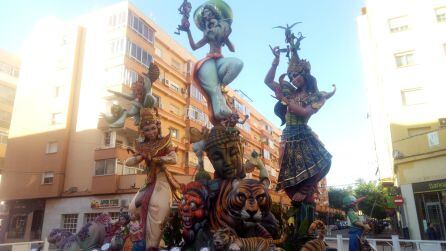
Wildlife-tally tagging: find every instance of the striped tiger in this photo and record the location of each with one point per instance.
(226, 239)
(317, 244)
(242, 201)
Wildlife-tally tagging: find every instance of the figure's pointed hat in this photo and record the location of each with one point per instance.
(220, 8)
(297, 65)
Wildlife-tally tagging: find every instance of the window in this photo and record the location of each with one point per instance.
(441, 14)
(52, 147)
(5, 119)
(130, 77)
(247, 127)
(7, 95)
(173, 86)
(270, 143)
(196, 94)
(114, 215)
(57, 118)
(88, 217)
(207, 123)
(47, 177)
(141, 27)
(398, 24)
(413, 96)
(117, 47)
(404, 59)
(105, 167)
(158, 52)
(57, 91)
(69, 222)
(109, 138)
(136, 52)
(268, 128)
(174, 133)
(9, 69)
(117, 19)
(266, 154)
(189, 67)
(17, 227)
(239, 107)
(122, 169)
(196, 114)
(157, 101)
(3, 138)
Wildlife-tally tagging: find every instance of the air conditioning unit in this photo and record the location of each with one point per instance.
(442, 122)
(72, 189)
(397, 154)
(166, 82)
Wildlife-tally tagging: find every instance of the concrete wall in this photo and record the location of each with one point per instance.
(410, 211)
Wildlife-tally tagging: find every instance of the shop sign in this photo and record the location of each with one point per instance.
(430, 186)
(98, 204)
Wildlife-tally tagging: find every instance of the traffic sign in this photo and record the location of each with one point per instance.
(398, 200)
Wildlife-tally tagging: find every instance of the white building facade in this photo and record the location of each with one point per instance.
(403, 47)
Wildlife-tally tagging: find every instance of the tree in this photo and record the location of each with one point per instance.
(336, 195)
(377, 199)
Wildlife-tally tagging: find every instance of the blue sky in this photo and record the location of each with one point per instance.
(331, 45)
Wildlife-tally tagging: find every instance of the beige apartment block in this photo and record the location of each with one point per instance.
(9, 77)
(63, 164)
(403, 46)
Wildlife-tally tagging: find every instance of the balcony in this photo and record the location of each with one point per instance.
(105, 184)
(131, 181)
(136, 181)
(117, 152)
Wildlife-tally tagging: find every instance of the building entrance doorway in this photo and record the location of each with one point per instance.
(434, 214)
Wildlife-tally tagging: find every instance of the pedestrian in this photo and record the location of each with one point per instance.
(432, 233)
(356, 226)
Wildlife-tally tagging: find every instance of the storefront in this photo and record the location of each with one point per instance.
(73, 213)
(23, 220)
(430, 201)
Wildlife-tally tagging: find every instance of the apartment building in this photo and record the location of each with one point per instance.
(9, 76)
(63, 164)
(403, 46)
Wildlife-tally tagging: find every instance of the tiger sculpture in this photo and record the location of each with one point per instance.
(364, 244)
(226, 239)
(317, 244)
(245, 206)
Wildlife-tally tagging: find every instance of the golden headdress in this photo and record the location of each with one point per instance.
(298, 65)
(149, 116)
(221, 135)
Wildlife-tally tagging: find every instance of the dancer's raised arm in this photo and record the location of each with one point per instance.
(197, 45)
(269, 79)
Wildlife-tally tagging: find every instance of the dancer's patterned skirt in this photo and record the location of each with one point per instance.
(305, 161)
